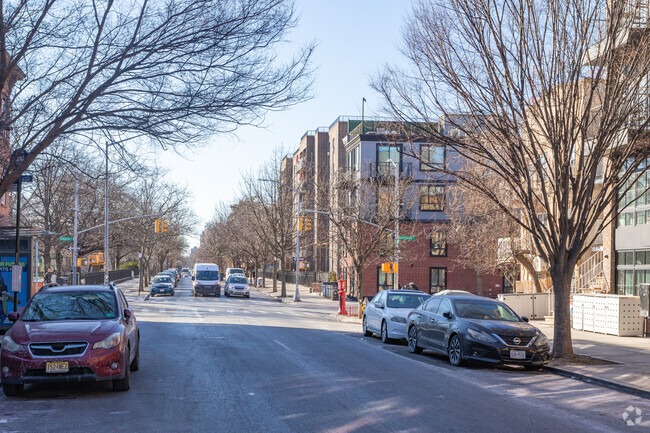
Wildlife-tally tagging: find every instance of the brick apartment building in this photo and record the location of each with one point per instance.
(362, 149)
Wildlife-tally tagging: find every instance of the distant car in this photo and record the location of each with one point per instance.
(474, 328)
(386, 313)
(162, 284)
(71, 334)
(235, 271)
(453, 292)
(177, 275)
(237, 285)
(171, 275)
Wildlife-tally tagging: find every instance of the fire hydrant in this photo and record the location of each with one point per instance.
(342, 310)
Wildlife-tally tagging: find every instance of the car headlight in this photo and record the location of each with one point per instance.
(109, 342)
(397, 319)
(481, 336)
(11, 346)
(542, 339)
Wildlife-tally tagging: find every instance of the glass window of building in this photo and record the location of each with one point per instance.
(438, 244)
(438, 278)
(385, 281)
(386, 152)
(432, 198)
(432, 157)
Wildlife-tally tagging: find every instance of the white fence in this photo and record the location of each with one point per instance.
(531, 305)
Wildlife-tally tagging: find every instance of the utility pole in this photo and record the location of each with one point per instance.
(396, 233)
(74, 238)
(17, 262)
(106, 261)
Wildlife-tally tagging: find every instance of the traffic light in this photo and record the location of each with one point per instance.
(308, 222)
(157, 226)
(163, 226)
(300, 223)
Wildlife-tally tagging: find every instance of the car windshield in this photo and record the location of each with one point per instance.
(237, 280)
(207, 275)
(162, 280)
(403, 300)
(484, 310)
(236, 271)
(71, 306)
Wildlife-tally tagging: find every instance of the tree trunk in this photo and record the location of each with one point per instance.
(263, 274)
(562, 345)
(275, 276)
(360, 291)
(47, 251)
(521, 258)
(479, 283)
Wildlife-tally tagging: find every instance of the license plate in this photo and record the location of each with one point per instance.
(517, 354)
(57, 367)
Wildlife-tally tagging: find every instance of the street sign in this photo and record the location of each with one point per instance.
(16, 271)
(25, 178)
(407, 238)
(66, 238)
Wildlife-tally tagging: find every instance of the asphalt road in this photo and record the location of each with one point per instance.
(256, 365)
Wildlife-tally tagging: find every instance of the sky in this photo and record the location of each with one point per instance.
(354, 38)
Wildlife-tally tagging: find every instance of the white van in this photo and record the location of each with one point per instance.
(205, 280)
(233, 271)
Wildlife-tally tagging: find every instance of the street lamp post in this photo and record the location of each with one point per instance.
(106, 274)
(296, 296)
(396, 234)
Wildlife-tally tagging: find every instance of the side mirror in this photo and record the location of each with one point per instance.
(13, 316)
(193, 278)
(525, 319)
(127, 313)
(379, 305)
(447, 314)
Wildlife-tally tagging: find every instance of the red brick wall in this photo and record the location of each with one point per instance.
(416, 263)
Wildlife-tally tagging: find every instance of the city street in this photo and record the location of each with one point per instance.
(257, 365)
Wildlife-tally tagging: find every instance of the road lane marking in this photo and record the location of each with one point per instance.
(282, 345)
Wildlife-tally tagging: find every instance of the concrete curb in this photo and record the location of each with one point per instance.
(600, 382)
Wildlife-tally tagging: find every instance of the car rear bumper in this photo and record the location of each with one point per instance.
(94, 365)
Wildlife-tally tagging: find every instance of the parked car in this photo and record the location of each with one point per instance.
(177, 275)
(171, 275)
(386, 313)
(162, 284)
(237, 285)
(474, 328)
(205, 280)
(453, 292)
(235, 271)
(71, 334)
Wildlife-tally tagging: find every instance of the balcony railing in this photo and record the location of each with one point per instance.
(386, 169)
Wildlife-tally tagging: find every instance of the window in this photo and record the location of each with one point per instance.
(432, 157)
(438, 278)
(626, 219)
(384, 153)
(625, 257)
(445, 307)
(432, 197)
(385, 281)
(438, 244)
(432, 305)
(625, 282)
(353, 159)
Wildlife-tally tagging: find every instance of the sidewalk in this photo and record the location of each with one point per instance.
(307, 298)
(625, 366)
(130, 288)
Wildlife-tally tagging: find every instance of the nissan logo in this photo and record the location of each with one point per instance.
(516, 340)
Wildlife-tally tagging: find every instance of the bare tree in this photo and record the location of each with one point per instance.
(168, 72)
(273, 217)
(549, 96)
(362, 221)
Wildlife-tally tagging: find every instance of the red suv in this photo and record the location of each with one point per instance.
(71, 334)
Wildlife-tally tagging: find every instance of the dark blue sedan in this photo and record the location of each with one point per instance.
(162, 285)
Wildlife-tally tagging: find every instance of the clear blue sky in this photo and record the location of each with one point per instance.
(355, 39)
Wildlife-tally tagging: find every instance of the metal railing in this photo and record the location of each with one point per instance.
(386, 169)
(590, 272)
(117, 276)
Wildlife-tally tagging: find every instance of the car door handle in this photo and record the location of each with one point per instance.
(432, 320)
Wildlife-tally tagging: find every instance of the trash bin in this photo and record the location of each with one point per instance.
(63, 281)
(259, 282)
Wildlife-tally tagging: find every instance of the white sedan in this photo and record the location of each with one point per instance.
(387, 312)
(238, 286)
